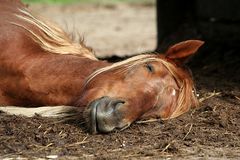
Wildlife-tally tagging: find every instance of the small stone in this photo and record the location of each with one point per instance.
(52, 156)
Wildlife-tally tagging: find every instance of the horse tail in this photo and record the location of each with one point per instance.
(45, 111)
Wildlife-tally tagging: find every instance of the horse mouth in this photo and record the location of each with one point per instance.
(105, 115)
(93, 119)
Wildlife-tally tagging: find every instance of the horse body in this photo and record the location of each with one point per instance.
(41, 65)
(30, 76)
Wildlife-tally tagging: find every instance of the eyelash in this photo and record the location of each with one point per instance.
(150, 68)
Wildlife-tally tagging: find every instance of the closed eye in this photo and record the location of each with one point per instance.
(150, 68)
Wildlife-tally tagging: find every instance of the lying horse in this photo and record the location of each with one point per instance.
(40, 65)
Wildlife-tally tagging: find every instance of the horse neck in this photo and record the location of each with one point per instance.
(63, 76)
(48, 79)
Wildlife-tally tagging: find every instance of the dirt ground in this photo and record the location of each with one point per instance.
(208, 132)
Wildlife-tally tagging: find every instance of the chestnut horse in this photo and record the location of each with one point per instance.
(40, 65)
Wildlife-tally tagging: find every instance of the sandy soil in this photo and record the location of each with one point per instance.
(209, 132)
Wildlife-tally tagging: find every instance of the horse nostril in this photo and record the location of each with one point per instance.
(116, 103)
(109, 108)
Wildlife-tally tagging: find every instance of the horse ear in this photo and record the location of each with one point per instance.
(183, 50)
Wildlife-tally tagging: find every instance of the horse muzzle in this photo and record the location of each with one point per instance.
(105, 115)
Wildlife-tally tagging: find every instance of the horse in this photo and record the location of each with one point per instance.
(41, 65)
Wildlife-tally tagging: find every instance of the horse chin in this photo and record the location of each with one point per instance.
(104, 116)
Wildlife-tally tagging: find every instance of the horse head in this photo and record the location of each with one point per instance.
(143, 86)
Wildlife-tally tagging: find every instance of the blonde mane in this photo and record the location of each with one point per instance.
(50, 37)
(186, 97)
